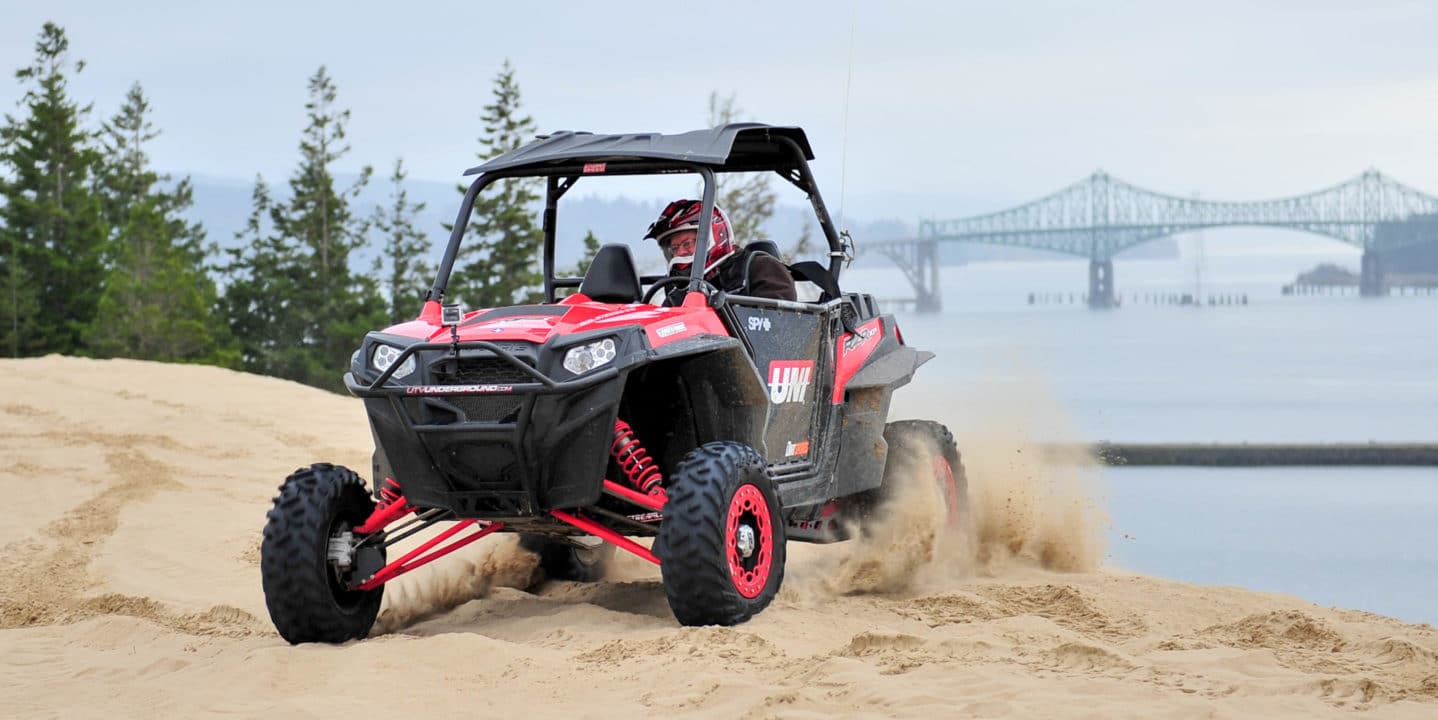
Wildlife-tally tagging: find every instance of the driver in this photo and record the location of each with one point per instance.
(676, 230)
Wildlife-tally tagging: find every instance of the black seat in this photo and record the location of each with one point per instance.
(767, 246)
(752, 248)
(803, 271)
(612, 277)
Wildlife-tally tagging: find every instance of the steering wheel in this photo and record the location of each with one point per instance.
(705, 287)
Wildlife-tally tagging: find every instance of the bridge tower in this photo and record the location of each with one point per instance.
(919, 260)
(1100, 284)
(1101, 242)
(928, 299)
(1371, 282)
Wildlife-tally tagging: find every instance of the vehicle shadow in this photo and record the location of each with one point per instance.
(637, 597)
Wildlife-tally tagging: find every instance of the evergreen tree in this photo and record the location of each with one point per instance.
(498, 262)
(401, 266)
(52, 235)
(292, 299)
(747, 199)
(264, 278)
(157, 300)
(591, 248)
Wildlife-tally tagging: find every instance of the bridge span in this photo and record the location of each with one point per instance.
(1101, 216)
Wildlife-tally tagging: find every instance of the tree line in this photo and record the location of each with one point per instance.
(97, 258)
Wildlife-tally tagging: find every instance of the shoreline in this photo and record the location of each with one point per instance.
(1251, 454)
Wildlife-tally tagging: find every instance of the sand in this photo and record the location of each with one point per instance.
(136, 493)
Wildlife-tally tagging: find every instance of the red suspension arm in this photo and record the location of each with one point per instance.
(653, 501)
(412, 559)
(604, 533)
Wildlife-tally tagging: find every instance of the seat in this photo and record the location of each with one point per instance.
(768, 246)
(803, 271)
(612, 277)
(752, 248)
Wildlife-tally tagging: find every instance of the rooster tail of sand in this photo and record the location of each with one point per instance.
(1025, 511)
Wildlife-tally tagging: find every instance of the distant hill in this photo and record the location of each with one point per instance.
(222, 205)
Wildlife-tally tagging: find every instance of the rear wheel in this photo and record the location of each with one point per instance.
(920, 451)
(576, 561)
(721, 546)
(307, 561)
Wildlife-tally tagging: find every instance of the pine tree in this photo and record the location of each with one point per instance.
(261, 302)
(401, 267)
(498, 262)
(157, 301)
(51, 229)
(293, 302)
(338, 304)
(747, 199)
(591, 248)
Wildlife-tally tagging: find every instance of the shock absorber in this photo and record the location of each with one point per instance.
(389, 493)
(639, 469)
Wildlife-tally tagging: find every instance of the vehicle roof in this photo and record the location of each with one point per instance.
(732, 147)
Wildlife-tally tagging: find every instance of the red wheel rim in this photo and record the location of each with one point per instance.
(751, 574)
(944, 473)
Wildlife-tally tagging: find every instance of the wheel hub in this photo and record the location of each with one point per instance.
(341, 549)
(746, 541)
(749, 539)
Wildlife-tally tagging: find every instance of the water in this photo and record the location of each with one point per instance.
(1280, 369)
(1336, 536)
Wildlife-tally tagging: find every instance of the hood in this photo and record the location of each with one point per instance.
(574, 315)
(538, 322)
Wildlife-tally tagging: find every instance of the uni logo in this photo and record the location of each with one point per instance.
(789, 380)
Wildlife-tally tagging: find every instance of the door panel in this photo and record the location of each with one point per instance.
(792, 356)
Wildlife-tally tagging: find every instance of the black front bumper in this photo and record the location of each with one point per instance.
(508, 449)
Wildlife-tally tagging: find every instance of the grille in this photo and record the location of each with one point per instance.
(484, 371)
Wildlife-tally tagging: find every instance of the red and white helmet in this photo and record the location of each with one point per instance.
(682, 215)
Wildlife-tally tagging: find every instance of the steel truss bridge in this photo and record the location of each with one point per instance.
(1101, 216)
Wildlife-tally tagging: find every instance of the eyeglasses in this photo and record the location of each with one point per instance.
(680, 243)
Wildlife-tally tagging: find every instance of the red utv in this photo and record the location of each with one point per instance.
(718, 424)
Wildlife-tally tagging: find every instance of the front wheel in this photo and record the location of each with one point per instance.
(721, 545)
(308, 561)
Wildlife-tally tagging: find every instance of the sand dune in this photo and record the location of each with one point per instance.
(137, 492)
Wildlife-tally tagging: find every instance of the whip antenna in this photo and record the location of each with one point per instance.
(844, 142)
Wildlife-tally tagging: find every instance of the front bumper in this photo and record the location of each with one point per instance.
(505, 441)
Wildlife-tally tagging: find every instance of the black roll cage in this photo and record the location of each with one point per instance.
(561, 177)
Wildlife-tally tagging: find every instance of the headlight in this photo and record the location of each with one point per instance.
(385, 355)
(582, 359)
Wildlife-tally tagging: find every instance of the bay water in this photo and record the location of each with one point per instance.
(1279, 368)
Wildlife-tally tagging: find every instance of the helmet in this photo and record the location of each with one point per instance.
(682, 215)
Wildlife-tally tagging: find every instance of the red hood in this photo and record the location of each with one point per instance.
(574, 315)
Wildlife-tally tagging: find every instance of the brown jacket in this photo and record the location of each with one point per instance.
(768, 277)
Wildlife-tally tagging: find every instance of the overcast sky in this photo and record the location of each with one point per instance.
(954, 107)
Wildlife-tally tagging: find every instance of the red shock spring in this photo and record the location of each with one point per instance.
(389, 492)
(639, 469)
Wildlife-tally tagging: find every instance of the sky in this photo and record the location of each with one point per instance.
(914, 109)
